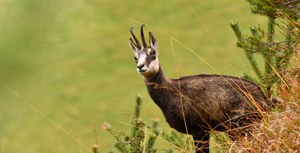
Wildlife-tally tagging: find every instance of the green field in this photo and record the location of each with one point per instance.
(66, 65)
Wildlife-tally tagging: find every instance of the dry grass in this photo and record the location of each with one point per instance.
(280, 134)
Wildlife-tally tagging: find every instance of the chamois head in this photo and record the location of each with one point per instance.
(145, 56)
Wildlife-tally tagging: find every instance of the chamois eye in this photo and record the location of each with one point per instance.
(152, 52)
(135, 59)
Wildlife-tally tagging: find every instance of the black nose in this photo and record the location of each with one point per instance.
(140, 66)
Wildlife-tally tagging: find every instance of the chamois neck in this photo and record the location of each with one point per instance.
(158, 78)
(159, 88)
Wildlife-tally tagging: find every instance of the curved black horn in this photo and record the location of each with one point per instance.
(143, 37)
(134, 37)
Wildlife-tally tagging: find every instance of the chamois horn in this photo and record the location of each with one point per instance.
(135, 39)
(143, 37)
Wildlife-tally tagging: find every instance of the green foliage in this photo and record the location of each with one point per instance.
(143, 136)
(139, 140)
(179, 141)
(276, 8)
(276, 50)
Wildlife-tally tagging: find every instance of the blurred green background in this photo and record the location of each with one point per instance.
(66, 65)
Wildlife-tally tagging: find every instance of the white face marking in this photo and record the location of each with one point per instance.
(145, 66)
(142, 59)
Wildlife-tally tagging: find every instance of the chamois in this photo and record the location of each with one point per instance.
(200, 103)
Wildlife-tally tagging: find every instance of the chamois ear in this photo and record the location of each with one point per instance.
(152, 41)
(133, 45)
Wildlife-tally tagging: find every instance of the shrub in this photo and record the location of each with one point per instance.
(143, 136)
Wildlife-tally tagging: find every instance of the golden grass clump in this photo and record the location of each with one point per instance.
(281, 133)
